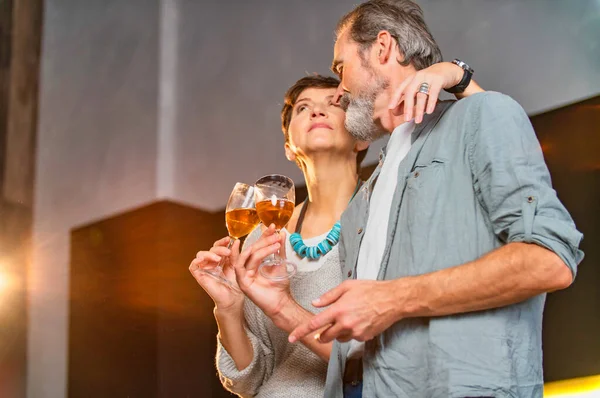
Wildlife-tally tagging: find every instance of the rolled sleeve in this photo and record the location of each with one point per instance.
(513, 183)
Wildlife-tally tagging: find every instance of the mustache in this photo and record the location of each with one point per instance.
(345, 101)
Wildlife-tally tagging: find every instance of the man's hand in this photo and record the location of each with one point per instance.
(360, 310)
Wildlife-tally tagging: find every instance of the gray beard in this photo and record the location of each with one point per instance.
(359, 112)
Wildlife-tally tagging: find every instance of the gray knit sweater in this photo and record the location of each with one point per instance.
(280, 369)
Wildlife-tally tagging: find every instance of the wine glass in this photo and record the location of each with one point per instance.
(241, 218)
(275, 200)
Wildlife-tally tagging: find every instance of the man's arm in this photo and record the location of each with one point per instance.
(505, 276)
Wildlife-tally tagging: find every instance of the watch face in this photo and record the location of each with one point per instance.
(463, 65)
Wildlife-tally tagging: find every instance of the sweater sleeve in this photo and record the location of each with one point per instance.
(247, 382)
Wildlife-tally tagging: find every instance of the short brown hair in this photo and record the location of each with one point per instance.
(403, 19)
(292, 94)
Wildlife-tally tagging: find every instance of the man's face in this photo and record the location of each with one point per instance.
(361, 86)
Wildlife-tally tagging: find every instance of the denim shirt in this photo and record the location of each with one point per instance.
(474, 180)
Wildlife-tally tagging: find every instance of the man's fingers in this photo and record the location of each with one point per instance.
(310, 327)
(331, 296)
(331, 333)
(344, 337)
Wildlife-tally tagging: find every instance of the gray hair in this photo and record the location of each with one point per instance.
(403, 19)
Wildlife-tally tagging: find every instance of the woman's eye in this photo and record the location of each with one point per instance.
(301, 108)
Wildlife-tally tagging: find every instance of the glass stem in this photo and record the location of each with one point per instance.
(222, 262)
(275, 256)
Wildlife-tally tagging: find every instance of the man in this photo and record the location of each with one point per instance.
(454, 240)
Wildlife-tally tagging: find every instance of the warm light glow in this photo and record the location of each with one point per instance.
(3, 282)
(583, 387)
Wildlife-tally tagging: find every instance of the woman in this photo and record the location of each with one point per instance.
(254, 357)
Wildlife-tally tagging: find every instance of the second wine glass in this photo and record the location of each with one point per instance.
(275, 200)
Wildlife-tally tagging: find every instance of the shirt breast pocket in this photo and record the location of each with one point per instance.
(423, 199)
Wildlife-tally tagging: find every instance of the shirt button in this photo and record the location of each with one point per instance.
(417, 174)
(530, 199)
(360, 231)
(349, 274)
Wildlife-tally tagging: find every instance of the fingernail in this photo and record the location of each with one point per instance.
(292, 339)
(316, 301)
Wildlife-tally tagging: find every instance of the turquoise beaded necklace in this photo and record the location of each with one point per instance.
(325, 246)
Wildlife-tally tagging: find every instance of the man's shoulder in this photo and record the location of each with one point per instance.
(486, 104)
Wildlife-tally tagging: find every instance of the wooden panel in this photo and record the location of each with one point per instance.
(571, 142)
(140, 326)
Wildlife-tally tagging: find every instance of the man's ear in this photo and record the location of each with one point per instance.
(384, 46)
(290, 154)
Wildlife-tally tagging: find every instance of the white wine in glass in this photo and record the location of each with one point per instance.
(241, 218)
(275, 197)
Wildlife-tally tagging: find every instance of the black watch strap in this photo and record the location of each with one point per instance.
(466, 79)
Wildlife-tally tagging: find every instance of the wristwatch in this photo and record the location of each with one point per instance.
(466, 79)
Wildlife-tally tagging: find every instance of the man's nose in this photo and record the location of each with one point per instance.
(338, 94)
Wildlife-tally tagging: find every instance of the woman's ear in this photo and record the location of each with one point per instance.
(289, 152)
(361, 145)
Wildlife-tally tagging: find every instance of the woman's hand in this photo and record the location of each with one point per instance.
(270, 296)
(225, 298)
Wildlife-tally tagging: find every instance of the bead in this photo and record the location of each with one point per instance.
(322, 248)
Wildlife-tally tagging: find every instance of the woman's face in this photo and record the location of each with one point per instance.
(317, 125)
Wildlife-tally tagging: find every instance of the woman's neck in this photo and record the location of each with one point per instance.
(330, 182)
